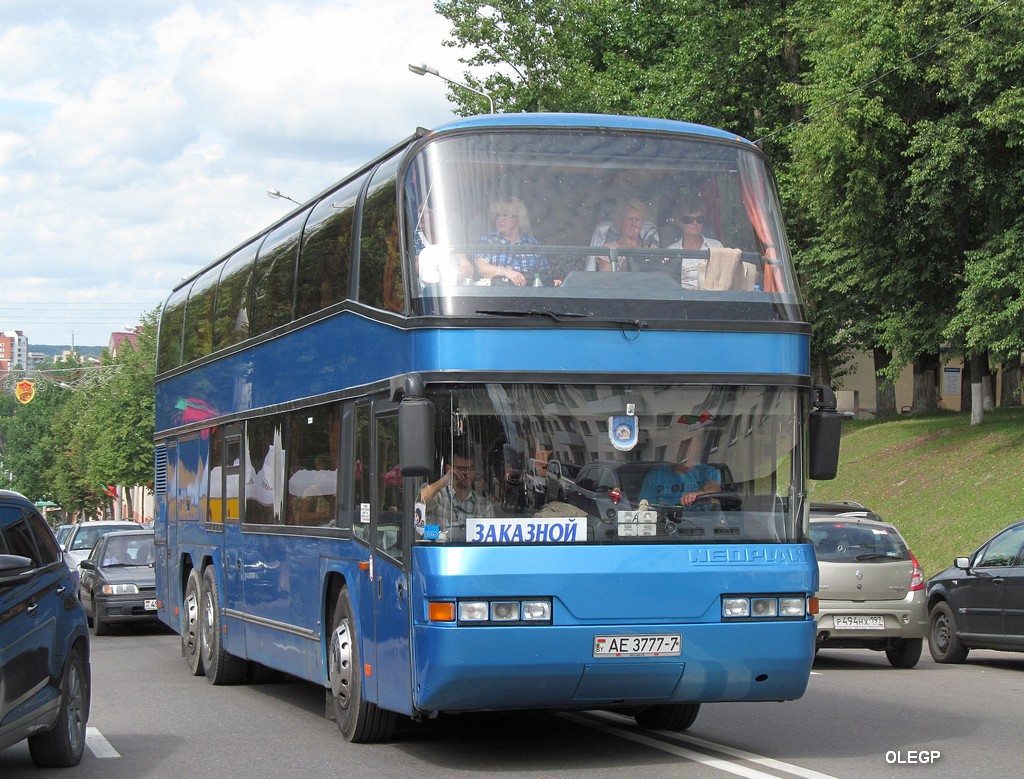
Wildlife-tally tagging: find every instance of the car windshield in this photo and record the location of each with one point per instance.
(87, 537)
(852, 542)
(125, 550)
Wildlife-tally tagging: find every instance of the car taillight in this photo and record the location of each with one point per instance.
(916, 576)
(615, 494)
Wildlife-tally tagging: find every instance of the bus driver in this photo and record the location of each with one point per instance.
(451, 499)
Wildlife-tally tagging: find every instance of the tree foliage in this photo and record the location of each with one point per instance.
(70, 442)
(896, 128)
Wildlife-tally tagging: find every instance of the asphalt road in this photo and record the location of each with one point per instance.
(859, 718)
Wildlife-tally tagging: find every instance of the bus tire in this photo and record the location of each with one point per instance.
(190, 640)
(667, 716)
(221, 666)
(358, 720)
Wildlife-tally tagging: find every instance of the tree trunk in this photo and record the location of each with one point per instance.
(885, 390)
(988, 396)
(1010, 395)
(978, 373)
(926, 389)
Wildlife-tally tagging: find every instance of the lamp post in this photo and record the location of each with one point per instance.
(274, 194)
(422, 69)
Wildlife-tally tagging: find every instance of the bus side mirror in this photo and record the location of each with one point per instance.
(823, 437)
(416, 436)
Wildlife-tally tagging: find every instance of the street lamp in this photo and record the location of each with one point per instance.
(276, 195)
(423, 68)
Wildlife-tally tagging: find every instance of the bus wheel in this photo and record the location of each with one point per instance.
(667, 716)
(358, 720)
(190, 626)
(221, 667)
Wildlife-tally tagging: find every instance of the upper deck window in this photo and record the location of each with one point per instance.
(517, 219)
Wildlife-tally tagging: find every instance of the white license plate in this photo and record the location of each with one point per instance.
(855, 622)
(657, 645)
(149, 604)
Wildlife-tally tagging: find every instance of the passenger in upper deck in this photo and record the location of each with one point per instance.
(690, 217)
(434, 263)
(512, 228)
(630, 230)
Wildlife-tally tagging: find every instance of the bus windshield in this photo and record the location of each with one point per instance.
(609, 464)
(515, 221)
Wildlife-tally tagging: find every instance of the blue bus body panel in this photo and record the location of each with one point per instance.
(554, 666)
(241, 383)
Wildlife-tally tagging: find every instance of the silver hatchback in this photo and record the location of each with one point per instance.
(871, 588)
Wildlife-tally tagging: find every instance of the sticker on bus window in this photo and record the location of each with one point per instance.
(623, 432)
(364, 513)
(537, 530)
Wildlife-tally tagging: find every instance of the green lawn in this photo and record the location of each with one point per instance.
(946, 485)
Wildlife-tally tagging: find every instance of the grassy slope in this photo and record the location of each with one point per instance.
(946, 485)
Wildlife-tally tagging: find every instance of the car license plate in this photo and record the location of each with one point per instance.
(656, 645)
(149, 604)
(856, 622)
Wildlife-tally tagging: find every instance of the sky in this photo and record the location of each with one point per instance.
(138, 138)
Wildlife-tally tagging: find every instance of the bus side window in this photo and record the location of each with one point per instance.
(381, 283)
(390, 487)
(326, 254)
(274, 282)
(231, 318)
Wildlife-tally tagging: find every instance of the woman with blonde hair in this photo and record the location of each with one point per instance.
(512, 228)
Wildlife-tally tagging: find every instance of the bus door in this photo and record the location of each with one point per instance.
(389, 543)
(231, 490)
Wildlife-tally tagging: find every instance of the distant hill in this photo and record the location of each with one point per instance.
(52, 351)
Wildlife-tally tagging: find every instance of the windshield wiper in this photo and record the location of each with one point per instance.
(558, 316)
(875, 556)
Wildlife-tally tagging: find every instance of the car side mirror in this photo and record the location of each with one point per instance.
(14, 568)
(88, 565)
(963, 563)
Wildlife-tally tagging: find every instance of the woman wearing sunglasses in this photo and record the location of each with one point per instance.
(690, 218)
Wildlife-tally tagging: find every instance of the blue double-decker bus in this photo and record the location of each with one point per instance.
(519, 415)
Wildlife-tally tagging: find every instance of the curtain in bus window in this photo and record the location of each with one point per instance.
(264, 471)
(380, 272)
(323, 276)
(231, 318)
(313, 466)
(755, 197)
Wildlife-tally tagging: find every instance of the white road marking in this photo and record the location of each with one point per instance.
(98, 745)
(620, 725)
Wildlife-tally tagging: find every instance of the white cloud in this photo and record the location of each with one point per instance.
(138, 137)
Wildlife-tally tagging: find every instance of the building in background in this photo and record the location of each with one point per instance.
(13, 350)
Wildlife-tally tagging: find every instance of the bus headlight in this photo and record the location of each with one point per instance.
(755, 607)
(503, 611)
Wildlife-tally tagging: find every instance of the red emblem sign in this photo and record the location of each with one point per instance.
(25, 390)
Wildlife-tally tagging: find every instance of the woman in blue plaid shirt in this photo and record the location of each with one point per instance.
(512, 228)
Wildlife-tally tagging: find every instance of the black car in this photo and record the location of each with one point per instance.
(44, 643)
(608, 485)
(119, 581)
(978, 603)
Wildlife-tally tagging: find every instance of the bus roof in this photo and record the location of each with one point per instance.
(589, 121)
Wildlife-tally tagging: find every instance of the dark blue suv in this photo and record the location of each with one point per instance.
(45, 676)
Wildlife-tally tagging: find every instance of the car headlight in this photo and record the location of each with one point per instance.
(765, 607)
(120, 589)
